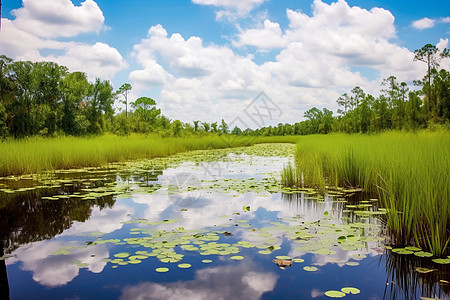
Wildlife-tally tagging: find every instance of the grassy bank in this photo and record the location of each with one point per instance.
(410, 173)
(38, 154)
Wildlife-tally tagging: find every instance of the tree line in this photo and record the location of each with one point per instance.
(45, 99)
(396, 108)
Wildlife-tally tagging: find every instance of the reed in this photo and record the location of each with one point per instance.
(35, 155)
(409, 171)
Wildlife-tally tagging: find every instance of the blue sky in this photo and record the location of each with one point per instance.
(208, 59)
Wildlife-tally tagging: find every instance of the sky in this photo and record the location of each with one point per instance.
(210, 59)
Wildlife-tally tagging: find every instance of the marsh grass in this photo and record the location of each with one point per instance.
(35, 155)
(410, 173)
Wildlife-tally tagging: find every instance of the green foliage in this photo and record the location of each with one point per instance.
(37, 154)
(44, 99)
(223, 127)
(408, 171)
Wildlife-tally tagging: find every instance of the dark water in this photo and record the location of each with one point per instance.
(102, 233)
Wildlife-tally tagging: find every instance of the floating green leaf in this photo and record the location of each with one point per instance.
(413, 248)
(283, 257)
(162, 270)
(237, 257)
(423, 254)
(424, 270)
(310, 269)
(184, 266)
(335, 294)
(122, 255)
(207, 261)
(351, 290)
(442, 261)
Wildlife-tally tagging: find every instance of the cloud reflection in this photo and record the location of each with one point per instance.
(224, 282)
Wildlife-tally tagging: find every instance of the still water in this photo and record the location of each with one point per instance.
(213, 224)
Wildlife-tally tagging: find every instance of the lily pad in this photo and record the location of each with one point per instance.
(423, 254)
(122, 255)
(207, 261)
(442, 261)
(184, 266)
(310, 269)
(283, 257)
(335, 294)
(424, 270)
(237, 257)
(413, 248)
(162, 270)
(351, 290)
(402, 251)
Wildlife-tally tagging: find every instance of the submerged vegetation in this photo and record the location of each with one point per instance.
(409, 172)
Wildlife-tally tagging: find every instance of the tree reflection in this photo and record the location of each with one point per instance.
(4, 286)
(29, 219)
(404, 282)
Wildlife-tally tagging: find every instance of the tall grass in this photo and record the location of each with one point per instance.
(39, 154)
(410, 172)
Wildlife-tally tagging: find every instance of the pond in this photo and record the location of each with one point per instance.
(214, 224)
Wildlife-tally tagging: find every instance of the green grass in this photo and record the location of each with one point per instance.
(39, 154)
(410, 173)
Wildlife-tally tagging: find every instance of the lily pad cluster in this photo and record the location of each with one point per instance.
(343, 292)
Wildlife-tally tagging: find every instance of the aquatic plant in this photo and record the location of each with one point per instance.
(408, 171)
(34, 155)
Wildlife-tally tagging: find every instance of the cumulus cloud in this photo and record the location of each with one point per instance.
(267, 37)
(39, 24)
(318, 59)
(55, 18)
(424, 23)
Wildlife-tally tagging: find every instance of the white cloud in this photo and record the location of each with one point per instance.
(318, 59)
(444, 20)
(39, 24)
(231, 9)
(96, 60)
(58, 270)
(424, 23)
(268, 37)
(55, 18)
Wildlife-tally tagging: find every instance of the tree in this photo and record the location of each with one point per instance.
(343, 101)
(214, 126)
(206, 126)
(123, 90)
(100, 104)
(236, 131)
(177, 126)
(196, 127)
(145, 111)
(75, 91)
(431, 55)
(224, 127)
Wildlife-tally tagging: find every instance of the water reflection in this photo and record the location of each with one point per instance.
(4, 286)
(404, 282)
(30, 219)
(244, 281)
(241, 201)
